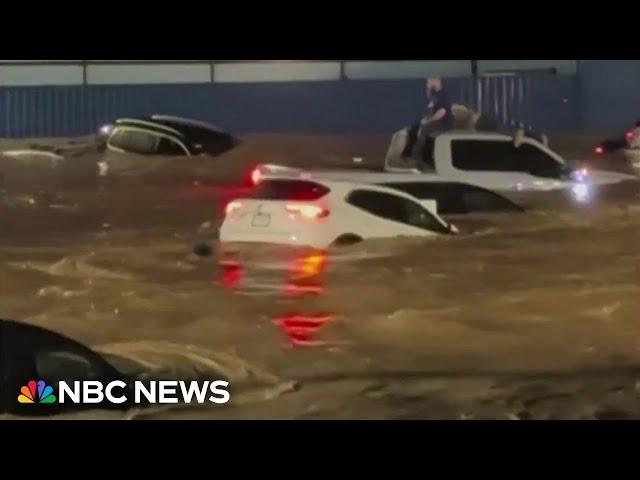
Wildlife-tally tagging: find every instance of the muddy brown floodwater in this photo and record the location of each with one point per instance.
(521, 316)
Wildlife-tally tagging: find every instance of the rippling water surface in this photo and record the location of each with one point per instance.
(530, 315)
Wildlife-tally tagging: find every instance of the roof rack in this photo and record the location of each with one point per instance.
(149, 124)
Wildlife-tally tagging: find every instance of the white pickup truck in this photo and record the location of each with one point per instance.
(490, 160)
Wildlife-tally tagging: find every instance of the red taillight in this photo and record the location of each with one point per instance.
(599, 150)
(256, 176)
(629, 136)
(232, 207)
(307, 211)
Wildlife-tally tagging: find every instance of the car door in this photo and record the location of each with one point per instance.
(385, 215)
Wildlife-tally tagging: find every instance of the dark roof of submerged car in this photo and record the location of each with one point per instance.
(178, 126)
(185, 122)
(34, 333)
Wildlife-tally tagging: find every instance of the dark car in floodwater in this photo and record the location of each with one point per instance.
(620, 151)
(167, 136)
(44, 373)
(33, 355)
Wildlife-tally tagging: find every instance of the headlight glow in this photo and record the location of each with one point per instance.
(581, 192)
(106, 130)
(580, 175)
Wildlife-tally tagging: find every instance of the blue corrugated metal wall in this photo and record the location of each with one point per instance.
(553, 103)
(610, 92)
(343, 106)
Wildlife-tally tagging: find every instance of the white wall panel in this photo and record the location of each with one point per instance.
(292, 71)
(32, 75)
(137, 74)
(407, 69)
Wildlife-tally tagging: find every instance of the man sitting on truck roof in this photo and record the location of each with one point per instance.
(438, 116)
(439, 110)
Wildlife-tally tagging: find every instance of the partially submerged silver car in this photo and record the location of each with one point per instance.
(166, 135)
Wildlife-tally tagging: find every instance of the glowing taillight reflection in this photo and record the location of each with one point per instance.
(296, 290)
(599, 150)
(309, 265)
(301, 329)
(303, 278)
(307, 211)
(231, 274)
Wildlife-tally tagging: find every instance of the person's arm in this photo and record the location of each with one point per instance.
(442, 104)
(439, 115)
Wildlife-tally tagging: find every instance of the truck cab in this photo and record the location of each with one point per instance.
(498, 162)
(494, 161)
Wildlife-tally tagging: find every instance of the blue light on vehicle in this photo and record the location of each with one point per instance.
(580, 175)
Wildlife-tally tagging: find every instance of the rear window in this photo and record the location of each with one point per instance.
(289, 190)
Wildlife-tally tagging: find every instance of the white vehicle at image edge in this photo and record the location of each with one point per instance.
(492, 161)
(320, 214)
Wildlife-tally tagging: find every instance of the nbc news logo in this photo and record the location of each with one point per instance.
(153, 392)
(36, 392)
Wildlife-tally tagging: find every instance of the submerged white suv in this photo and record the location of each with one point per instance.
(322, 213)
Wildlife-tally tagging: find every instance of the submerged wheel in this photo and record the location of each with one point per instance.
(347, 239)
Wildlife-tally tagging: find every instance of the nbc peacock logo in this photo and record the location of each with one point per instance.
(36, 392)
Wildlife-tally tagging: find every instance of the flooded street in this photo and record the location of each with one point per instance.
(521, 316)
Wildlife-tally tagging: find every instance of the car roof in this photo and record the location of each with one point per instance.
(393, 185)
(178, 126)
(178, 121)
(343, 187)
(37, 335)
(474, 134)
(362, 176)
